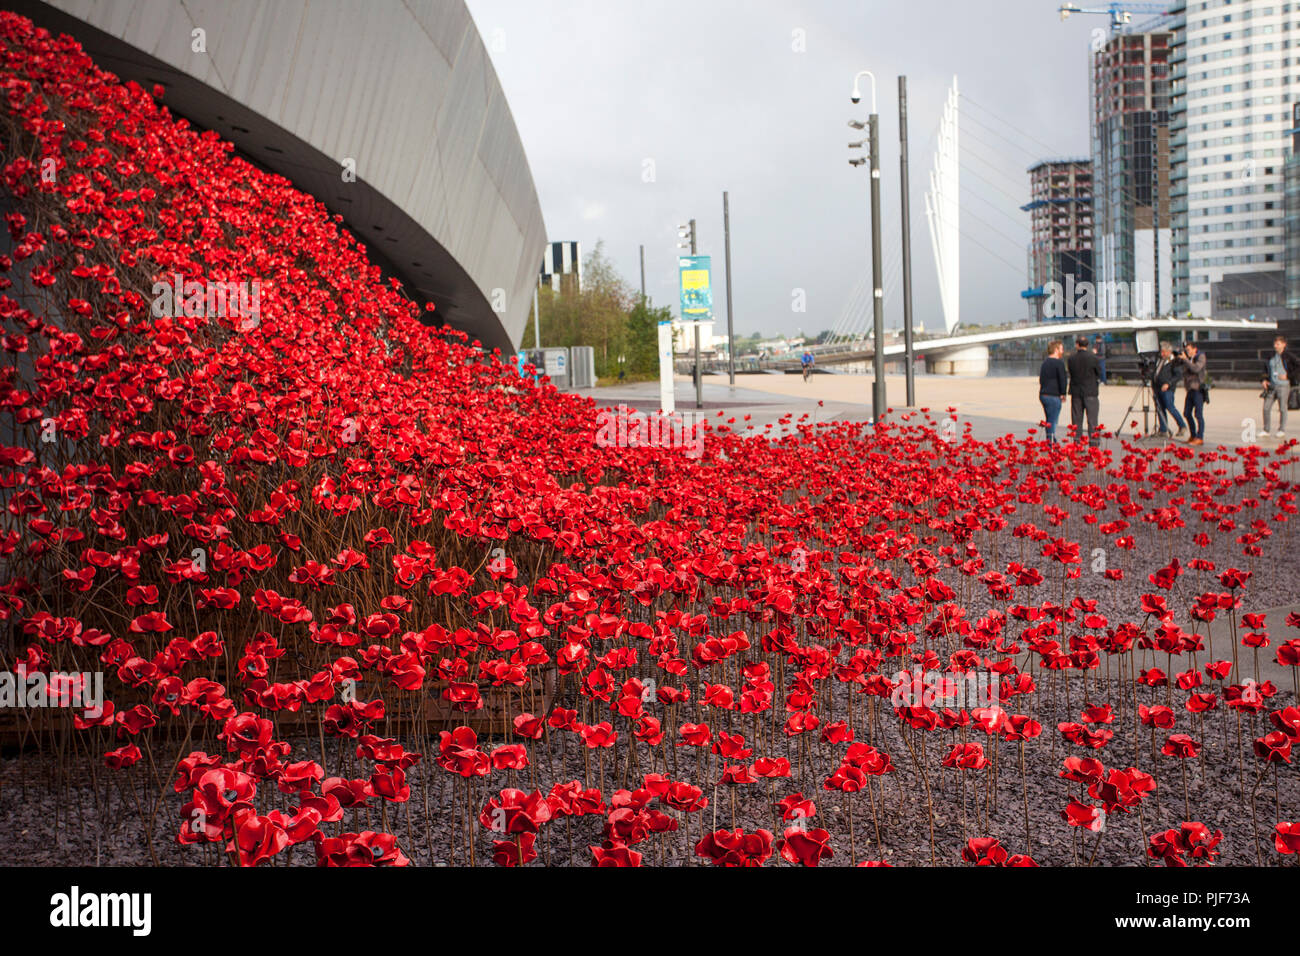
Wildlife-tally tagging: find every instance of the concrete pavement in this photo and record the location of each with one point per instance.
(994, 406)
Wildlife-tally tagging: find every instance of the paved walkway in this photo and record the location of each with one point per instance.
(993, 406)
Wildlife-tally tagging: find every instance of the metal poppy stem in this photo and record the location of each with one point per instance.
(1100, 833)
(875, 822)
(1254, 817)
(853, 843)
(925, 778)
(1024, 789)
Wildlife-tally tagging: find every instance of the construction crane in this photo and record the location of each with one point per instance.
(1121, 14)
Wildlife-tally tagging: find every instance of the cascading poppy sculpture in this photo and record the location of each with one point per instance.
(360, 594)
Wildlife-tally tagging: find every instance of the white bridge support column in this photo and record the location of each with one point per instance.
(943, 211)
(973, 360)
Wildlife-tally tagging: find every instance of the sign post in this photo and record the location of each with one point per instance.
(696, 301)
(667, 402)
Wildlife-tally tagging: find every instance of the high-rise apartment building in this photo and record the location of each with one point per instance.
(1234, 76)
(562, 266)
(1292, 182)
(1132, 254)
(1061, 247)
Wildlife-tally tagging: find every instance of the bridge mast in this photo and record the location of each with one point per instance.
(942, 213)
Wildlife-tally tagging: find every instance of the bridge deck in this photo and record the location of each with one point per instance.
(862, 350)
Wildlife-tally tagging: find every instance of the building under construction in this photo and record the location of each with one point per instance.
(1132, 254)
(1061, 246)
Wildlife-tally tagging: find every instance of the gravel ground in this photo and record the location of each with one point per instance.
(68, 812)
(58, 823)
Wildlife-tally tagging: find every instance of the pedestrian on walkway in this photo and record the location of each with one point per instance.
(1085, 381)
(1099, 347)
(1279, 379)
(1052, 384)
(1192, 363)
(1164, 382)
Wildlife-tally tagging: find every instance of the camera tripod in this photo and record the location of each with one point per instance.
(1145, 398)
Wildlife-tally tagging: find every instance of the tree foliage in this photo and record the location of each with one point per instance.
(608, 315)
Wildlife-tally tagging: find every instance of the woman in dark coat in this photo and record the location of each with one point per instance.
(1051, 386)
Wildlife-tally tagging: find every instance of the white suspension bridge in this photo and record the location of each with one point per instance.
(850, 340)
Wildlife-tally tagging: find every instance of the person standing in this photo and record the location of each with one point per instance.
(1099, 347)
(1052, 386)
(1085, 381)
(1164, 382)
(1279, 379)
(1192, 363)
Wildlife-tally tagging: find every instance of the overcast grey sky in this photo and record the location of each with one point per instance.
(753, 97)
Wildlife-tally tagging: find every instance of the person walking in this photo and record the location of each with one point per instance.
(1052, 384)
(1192, 363)
(1164, 382)
(1099, 347)
(1085, 381)
(1279, 378)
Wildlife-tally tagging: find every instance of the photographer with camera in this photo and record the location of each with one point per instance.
(1279, 374)
(1164, 383)
(1192, 363)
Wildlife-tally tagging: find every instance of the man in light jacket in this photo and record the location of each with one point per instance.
(1192, 362)
(1279, 379)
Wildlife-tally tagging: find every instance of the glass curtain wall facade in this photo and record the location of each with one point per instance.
(1130, 166)
(1234, 75)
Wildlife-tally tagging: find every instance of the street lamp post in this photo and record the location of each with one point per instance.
(688, 232)
(878, 324)
(731, 337)
(537, 319)
(907, 244)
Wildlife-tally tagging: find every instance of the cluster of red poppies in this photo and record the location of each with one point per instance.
(298, 541)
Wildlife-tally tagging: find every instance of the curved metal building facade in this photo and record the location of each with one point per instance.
(389, 113)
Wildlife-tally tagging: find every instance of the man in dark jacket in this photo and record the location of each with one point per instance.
(1085, 381)
(1164, 383)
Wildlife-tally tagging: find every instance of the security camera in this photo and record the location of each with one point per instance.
(856, 97)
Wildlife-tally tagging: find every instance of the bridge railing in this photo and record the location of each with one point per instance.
(861, 349)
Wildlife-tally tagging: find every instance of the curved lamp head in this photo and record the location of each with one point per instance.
(856, 95)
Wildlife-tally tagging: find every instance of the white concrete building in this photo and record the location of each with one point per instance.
(684, 336)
